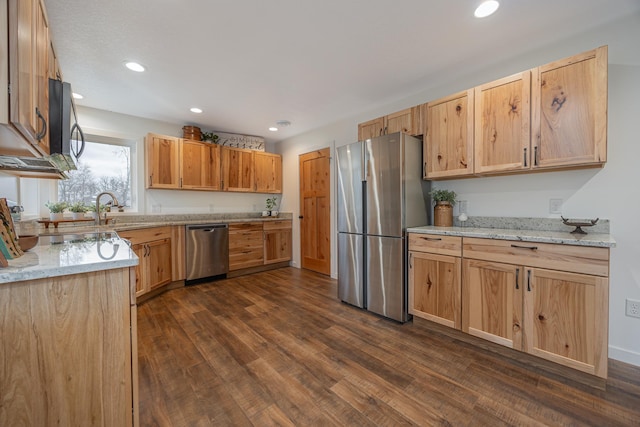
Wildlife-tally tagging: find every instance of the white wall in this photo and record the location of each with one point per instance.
(114, 125)
(605, 193)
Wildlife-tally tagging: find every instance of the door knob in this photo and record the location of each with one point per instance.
(300, 217)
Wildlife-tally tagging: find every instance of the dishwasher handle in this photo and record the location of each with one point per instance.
(211, 228)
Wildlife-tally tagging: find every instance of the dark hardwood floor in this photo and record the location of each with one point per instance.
(278, 348)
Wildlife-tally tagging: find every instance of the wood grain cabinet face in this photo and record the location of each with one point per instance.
(407, 121)
(448, 139)
(246, 247)
(199, 165)
(435, 278)
(237, 169)
(502, 125)
(371, 129)
(277, 241)
(569, 110)
(162, 161)
(268, 172)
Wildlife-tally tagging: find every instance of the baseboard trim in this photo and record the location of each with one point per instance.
(624, 355)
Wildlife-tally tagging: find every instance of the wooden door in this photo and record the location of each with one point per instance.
(569, 110)
(492, 302)
(315, 212)
(371, 129)
(502, 124)
(162, 158)
(237, 169)
(565, 316)
(268, 172)
(200, 165)
(448, 140)
(159, 262)
(407, 121)
(435, 288)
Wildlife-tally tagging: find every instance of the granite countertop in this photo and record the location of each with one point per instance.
(51, 259)
(559, 237)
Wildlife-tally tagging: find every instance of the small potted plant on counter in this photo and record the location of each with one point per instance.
(56, 210)
(443, 208)
(271, 206)
(77, 210)
(92, 210)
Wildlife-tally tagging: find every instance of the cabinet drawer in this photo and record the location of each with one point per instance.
(576, 259)
(245, 226)
(146, 234)
(436, 244)
(245, 239)
(277, 225)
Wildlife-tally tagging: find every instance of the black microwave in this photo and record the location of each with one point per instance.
(66, 140)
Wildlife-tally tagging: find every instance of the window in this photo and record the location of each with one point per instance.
(102, 167)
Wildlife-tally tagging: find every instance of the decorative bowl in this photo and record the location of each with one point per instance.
(27, 242)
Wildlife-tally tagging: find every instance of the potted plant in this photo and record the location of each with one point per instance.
(77, 210)
(92, 209)
(443, 207)
(271, 205)
(56, 210)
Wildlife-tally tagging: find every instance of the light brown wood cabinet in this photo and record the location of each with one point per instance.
(407, 121)
(448, 136)
(154, 248)
(69, 351)
(245, 245)
(569, 111)
(267, 172)
(435, 278)
(237, 169)
(277, 241)
(24, 111)
(162, 158)
(502, 125)
(545, 299)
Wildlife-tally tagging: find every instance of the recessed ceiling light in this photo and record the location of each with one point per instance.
(273, 129)
(134, 66)
(486, 8)
(77, 96)
(196, 110)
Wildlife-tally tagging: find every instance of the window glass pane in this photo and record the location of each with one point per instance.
(102, 167)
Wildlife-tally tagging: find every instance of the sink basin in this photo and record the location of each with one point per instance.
(57, 239)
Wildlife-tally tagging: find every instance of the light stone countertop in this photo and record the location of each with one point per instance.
(52, 260)
(557, 237)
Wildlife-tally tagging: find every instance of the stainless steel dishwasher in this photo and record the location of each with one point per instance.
(207, 250)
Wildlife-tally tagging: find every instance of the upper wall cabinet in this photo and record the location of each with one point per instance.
(448, 136)
(268, 172)
(237, 169)
(569, 111)
(407, 121)
(162, 155)
(502, 124)
(25, 111)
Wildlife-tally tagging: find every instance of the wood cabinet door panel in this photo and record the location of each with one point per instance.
(502, 124)
(200, 165)
(566, 319)
(268, 172)
(406, 121)
(162, 161)
(448, 141)
(277, 246)
(237, 169)
(570, 111)
(435, 288)
(141, 274)
(492, 302)
(159, 260)
(371, 129)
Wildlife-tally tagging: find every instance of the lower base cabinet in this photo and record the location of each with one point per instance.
(277, 241)
(69, 351)
(259, 243)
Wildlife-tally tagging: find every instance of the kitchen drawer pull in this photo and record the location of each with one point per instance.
(525, 157)
(533, 248)
(432, 239)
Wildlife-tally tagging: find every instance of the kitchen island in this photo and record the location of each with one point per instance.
(68, 327)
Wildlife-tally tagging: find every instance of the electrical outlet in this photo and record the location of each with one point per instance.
(633, 308)
(156, 208)
(555, 206)
(463, 205)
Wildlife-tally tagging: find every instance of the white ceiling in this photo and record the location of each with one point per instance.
(250, 63)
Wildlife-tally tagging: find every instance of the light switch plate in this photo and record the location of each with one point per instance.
(555, 206)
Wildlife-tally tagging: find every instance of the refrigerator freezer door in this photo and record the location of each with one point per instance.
(351, 268)
(350, 177)
(386, 288)
(384, 176)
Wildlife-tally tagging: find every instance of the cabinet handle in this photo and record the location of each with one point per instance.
(535, 156)
(410, 260)
(433, 239)
(150, 180)
(517, 276)
(43, 130)
(529, 280)
(525, 157)
(533, 248)
(424, 170)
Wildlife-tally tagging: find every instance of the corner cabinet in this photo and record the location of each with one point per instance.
(448, 139)
(569, 110)
(548, 300)
(435, 278)
(154, 248)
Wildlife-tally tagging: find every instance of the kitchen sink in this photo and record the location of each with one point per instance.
(57, 239)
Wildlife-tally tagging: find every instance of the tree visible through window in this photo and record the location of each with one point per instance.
(102, 167)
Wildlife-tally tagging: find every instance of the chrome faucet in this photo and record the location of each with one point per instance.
(114, 202)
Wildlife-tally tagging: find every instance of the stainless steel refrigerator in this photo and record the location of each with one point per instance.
(380, 193)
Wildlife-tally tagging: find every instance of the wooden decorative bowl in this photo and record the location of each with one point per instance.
(27, 242)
